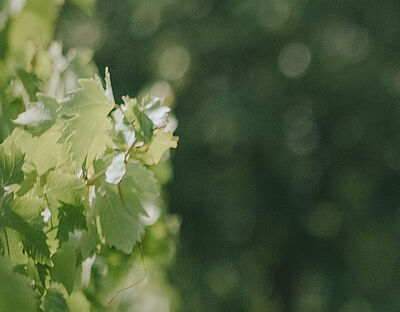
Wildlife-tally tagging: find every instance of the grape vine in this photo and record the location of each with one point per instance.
(78, 180)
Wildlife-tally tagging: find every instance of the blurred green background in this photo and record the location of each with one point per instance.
(287, 173)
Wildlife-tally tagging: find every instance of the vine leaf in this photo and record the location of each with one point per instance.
(70, 218)
(15, 291)
(33, 238)
(11, 161)
(119, 224)
(62, 187)
(43, 152)
(65, 264)
(141, 181)
(88, 123)
(160, 143)
(28, 206)
(54, 301)
(135, 114)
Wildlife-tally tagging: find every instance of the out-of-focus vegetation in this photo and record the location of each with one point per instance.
(288, 172)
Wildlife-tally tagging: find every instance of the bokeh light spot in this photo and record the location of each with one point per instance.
(350, 42)
(146, 19)
(294, 59)
(174, 62)
(273, 14)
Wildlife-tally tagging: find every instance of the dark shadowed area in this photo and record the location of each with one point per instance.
(287, 173)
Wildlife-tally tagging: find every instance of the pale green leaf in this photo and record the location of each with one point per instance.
(28, 206)
(28, 183)
(77, 302)
(62, 187)
(160, 143)
(43, 152)
(88, 126)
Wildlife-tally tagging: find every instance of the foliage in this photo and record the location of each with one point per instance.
(75, 177)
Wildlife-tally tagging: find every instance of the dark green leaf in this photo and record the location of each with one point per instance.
(54, 302)
(70, 218)
(11, 161)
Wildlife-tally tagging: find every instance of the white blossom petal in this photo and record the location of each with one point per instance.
(116, 171)
(46, 214)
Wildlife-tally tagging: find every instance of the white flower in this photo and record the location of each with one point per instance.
(46, 214)
(116, 171)
(157, 113)
(34, 116)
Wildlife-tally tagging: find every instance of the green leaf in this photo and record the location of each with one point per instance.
(62, 187)
(88, 241)
(13, 246)
(65, 264)
(70, 218)
(54, 302)
(120, 226)
(160, 143)
(11, 161)
(33, 239)
(15, 292)
(43, 152)
(140, 180)
(28, 183)
(88, 126)
(30, 82)
(136, 115)
(78, 302)
(28, 206)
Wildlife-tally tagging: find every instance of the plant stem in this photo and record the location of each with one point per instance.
(92, 180)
